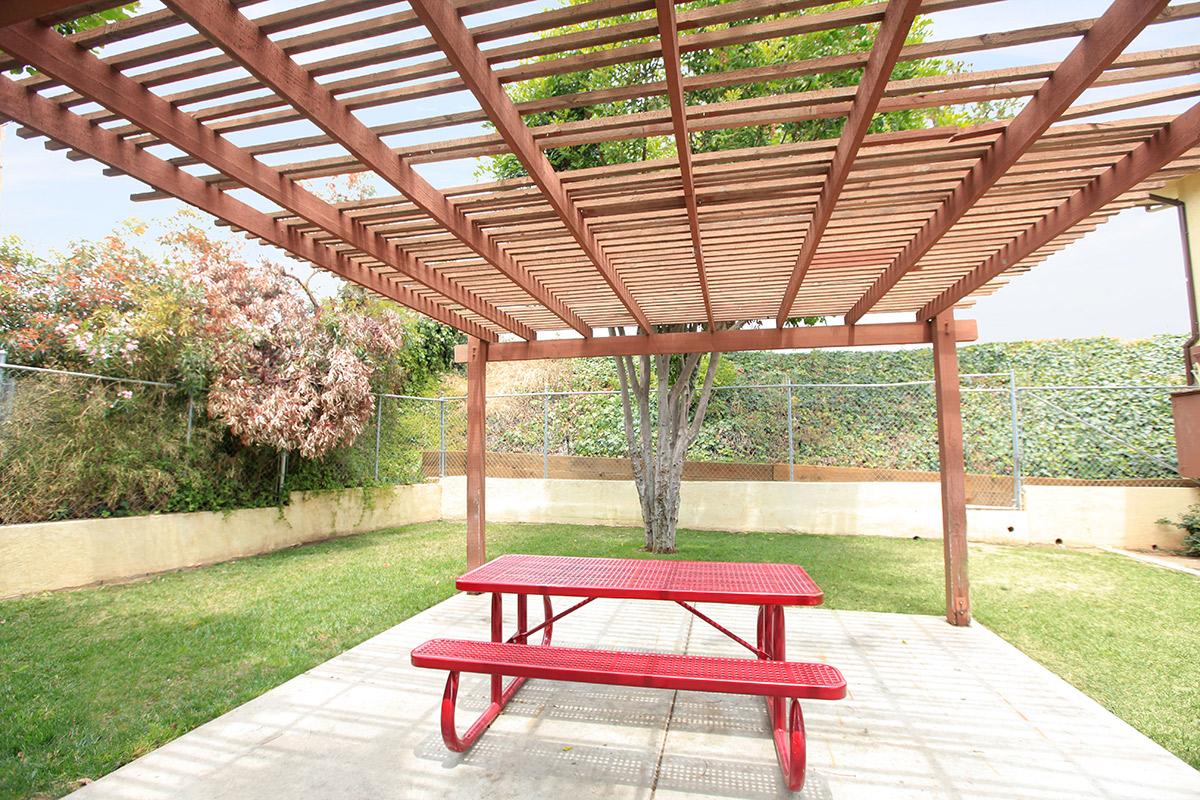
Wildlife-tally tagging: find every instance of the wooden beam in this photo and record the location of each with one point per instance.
(893, 30)
(447, 28)
(477, 358)
(16, 11)
(248, 45)
(1172, 141)
(952, 468)
(221, 115)
(42, 47)
(890, 333)
(31, 109)
(668, 35)
(1103, 43)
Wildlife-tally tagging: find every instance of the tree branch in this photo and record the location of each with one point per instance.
(303, 285)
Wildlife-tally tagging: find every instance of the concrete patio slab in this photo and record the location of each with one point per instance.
(933, 712)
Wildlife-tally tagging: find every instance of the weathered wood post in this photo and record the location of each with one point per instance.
(950, 459)
(477, 351)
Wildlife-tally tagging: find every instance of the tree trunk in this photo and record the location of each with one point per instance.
(660, 433)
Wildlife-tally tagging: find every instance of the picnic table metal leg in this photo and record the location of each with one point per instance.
(497, 636)
(790, 747)
(787, 732)
(500, 694)
(775, 646)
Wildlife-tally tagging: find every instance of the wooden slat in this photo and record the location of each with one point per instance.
(893, 29)
(15, 11)
(247, 44)
(902, 95)
(944, 48)
(1119, 26)
(1175, 139)
(31, 109)
(749, 214)
(668, 35)
(444, 24)
(40, 45)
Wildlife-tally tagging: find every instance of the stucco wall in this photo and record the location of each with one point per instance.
(57, 555)
(1108, 516)
(1078, 515)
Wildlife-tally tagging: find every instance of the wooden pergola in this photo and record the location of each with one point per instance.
(200, 99)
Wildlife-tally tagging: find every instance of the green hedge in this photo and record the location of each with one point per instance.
(1093, 434)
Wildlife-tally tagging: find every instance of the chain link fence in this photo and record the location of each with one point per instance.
(77, 445)
(1013, 435)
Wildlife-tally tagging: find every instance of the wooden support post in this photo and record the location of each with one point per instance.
(950, 459)
(477, 352)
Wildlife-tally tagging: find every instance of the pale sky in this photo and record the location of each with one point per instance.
(1124, 280)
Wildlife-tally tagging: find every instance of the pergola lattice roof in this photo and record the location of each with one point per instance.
(912, 221)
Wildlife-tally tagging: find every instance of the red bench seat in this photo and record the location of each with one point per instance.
(621, 668)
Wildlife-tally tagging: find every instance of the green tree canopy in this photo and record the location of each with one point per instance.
(724, 59)
(86, 23)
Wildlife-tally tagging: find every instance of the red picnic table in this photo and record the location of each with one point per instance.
(769, 674)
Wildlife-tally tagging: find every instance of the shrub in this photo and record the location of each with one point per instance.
(73, 449)
(1190, 523)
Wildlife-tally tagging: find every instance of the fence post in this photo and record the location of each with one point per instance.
(4, 408)
(791, 435)
(1016, 438)
(546, 432)
(378, 427)
(187, 440)
(442, 437)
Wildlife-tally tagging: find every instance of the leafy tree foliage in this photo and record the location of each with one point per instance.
(279, 369)
(714, 61)
(86, 23)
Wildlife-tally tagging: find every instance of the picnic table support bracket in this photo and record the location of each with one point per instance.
(951, 468)
(551, 618)
(758, 651)
(500, 694)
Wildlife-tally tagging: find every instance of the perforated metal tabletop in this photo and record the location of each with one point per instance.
(646, 579)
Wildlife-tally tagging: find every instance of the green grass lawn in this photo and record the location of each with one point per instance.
(91, 679)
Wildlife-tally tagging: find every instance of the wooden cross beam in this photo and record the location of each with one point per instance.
(248, 45)
(668, 35)
(42, 47)
(443, 22)
(897, 21)
(1111, 33)
(31, 109)
(1172, 141)
(730, 341)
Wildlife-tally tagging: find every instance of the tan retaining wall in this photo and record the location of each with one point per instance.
(58, 555)
(1112, 516)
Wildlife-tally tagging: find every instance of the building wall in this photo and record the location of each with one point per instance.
(1112, 516)
(58, 555)
(1188, 190)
